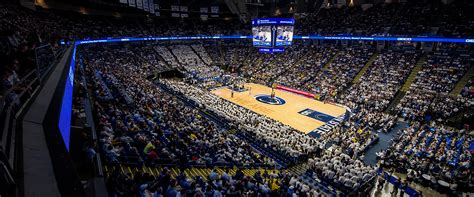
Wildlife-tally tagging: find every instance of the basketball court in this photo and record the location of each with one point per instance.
(302, 113)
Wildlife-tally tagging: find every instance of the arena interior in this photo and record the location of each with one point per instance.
(212, 98)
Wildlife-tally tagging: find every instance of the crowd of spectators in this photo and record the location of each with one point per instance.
(468, 89)
(235, 55)
(270, 66)
(20, 34)
(152, 61)
(339, 73)
(302, 74)
(155, 126)
(341, 170)
(194, 64)
(372, 94)
(428, 97)
(216, 184)
(167, 56)
(431, 153)
(391, 19)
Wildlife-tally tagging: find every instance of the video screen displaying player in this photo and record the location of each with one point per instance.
(284, 35)
(262, 36)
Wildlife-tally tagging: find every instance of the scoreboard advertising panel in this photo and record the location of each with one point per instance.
(272, 32)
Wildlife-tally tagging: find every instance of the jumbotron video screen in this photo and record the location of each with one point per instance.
(272, 32)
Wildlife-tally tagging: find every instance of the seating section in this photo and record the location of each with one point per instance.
(428, 95)
(167, 56)
(440, 152)
(199, 49)
(302, 73)
(340, 72)
(102, 91)
(157, 127)
(205, 181)
(193, 64)
(151, 58)
(341, 171)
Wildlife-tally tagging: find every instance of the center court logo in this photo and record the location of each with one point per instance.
(264, 98)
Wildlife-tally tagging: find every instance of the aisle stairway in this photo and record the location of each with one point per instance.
(175, 57)
(462, 82)
(199, 55)
(299, 169)
(398, 97)
(326, 66)
(411, 78)
(161, 58)
(406, 86)
(365, 68)
(300, 60)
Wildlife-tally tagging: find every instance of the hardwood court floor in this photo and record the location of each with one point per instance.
(286, 113)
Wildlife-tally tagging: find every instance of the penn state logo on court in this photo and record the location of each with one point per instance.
(264, 98)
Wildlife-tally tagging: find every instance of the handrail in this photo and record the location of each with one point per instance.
(7, 92)
(22, 80)
(10, 107)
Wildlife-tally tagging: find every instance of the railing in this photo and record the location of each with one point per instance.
(12, 103)
(89, 109)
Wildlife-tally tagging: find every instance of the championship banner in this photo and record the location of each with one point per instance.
(204, 10)
(175, 8)
(131, 3)
(214, 9)
(146, 5)
(140, 4)
(151, 6)
(183, 8)
(123, 1)
(184, 15)
(174, 14)
(204, 17)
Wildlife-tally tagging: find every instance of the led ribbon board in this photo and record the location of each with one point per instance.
(391, 39)
(271, 50)
(358, 38)
(64, 123)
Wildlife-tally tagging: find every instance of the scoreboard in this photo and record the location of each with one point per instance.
(272, 32)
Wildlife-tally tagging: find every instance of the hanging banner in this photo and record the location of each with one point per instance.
(151, 6)
(131, 3)
(140, 4)
(146, 5)
(214, 9)
(204, 10)
(174, 14)
(175, 8)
